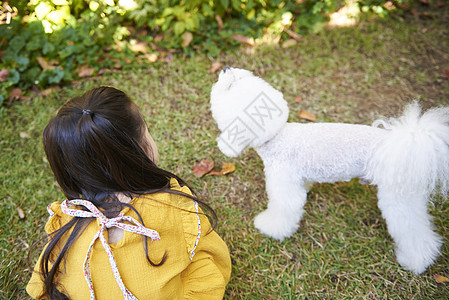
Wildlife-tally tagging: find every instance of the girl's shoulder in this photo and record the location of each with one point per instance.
(57, 218)
(156, 207)
(172, 212)
(176, 198)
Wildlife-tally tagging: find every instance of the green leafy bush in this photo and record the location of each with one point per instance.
(48, 40)
(44, 49)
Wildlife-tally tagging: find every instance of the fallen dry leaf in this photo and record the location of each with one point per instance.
(298, 99)
(307, 116)
(447, 73)
(139, 47)
(16, 93)
(289, 43)
(20, 212)
(151, 57)
(45, 65)
(158, 38)
(84, 71)
(24, 135)
(102, 71)
(292, 34)
(440, 278)
(48, 91)
(243, 39)
(187, 38)
(216, 65)
(440, 4)
(202, 167)
(414, 12)
(226, 168)
(219, 22)
(3, 74)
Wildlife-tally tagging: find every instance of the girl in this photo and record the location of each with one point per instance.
(128, 229)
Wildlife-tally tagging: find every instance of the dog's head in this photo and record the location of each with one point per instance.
(247, 109)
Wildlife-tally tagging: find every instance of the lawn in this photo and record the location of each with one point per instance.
(342, 249)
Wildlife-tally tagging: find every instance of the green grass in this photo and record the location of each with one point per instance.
(342, 249)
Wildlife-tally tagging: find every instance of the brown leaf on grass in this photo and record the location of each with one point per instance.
(151, 57)
(440, 278)
(289, 43)
(187, 38)
(139, 47)
(292, 34)
(46, 65)
(20, 212)
(158, 38)
(219, 22)
(102, 71)
(243, 39)
(15, 93)
(440, 4)
(84, 71)
(305, 115)
(24, 135)
(216, 65)
(447, 73)
(3, 74)
(48, 91)
(226, 168)
(414, 12)
(298, 99)
(202, 167)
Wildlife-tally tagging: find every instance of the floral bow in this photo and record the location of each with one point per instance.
(105, 223)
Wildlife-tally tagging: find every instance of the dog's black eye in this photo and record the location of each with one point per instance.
(226, 68)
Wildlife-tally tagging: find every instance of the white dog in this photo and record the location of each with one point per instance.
(408, 160)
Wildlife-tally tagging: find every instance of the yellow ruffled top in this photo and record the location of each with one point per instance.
(175, 219)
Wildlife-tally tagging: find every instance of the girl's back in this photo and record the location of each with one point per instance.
(161, 246)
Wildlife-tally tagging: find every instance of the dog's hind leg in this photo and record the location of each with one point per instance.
(410, 226)
(287, 195)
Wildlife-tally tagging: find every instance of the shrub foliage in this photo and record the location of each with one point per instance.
(49, 42)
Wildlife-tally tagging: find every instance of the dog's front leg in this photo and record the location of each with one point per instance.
(287, 194)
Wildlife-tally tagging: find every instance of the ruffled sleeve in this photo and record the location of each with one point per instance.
(209, 271)
(55, 219)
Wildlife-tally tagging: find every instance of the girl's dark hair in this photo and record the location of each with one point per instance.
(95, 149)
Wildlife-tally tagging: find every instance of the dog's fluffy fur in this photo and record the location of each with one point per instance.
(407, 158)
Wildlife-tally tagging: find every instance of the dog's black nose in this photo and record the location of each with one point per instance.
(226, 68)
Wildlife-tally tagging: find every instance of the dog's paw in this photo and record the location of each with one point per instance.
(274, 225)
(418, 254)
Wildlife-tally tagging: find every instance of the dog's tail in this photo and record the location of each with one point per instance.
(413, 157)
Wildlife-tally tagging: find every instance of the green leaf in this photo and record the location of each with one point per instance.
(48, 48)
(35, 43)
(14, 76)
(55, 75)
(42, 10)
(224, 3)
(17, 43)
(23, 62)
(60, 2)
(179, 28)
